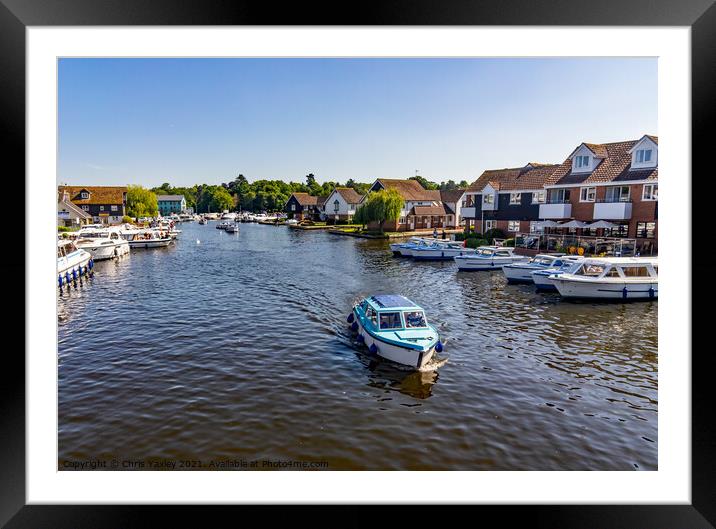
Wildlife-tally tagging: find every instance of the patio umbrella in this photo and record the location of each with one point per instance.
(573, 224)
(547, 224)
(601, 224)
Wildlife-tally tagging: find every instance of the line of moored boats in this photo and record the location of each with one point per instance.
(573, 276)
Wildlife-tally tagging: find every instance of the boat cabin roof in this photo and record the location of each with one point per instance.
(392, 302)
(621, 260)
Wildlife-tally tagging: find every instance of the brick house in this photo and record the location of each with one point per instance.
(614, 182)
(302, 206)
(106, 204)
(507, 199)
(422, 208)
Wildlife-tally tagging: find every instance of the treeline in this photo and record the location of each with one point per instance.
(268, 195)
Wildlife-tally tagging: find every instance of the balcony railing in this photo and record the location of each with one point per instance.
(558, 201)
(613, 200)
(585, 245)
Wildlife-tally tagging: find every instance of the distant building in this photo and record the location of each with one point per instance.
(302, 206)
(341, 204)
(68, 214)
(169, 204)
(106, 204)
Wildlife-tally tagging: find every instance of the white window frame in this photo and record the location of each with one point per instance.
(488, 198)
(85, 207)
(293, 207)
(653, 193)
(101, 208)
(581, 161)
(540, 195)
(641, 156)
(489, 225)
(515, 199)
(584, 193)
(84, 195)
(113, 208)
(510, 224)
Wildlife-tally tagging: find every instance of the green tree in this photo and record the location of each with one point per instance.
(381, 206)
(141, 202)
(425, 183)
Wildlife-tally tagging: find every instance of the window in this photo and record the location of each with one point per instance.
(85, 207)
(293, 207)
(587, 194)
(336, 206)
(650, 192)
(636, 271)
(84, 194)
(613, 272)
(370, 314)
(390, 320)
(464, 204)
(489, 224)
(645, 230)
(581, 162)
(502, 253)
(643, 155)
(513, 225)
(590, 270)
(538, 197)
(113, 208)
(559, 196)
(101, 208)
(619, 231)
(488, 199)
(515, 198)
(617, 194)
(414, 319)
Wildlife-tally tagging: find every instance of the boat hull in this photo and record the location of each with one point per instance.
(438, 254)
(150, 243)
(395, 353)
(73, 265)
(607, 290)
(543, 282)
(519, 274)
(106, 251)
(468, 264)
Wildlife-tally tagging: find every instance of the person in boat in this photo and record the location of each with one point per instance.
(435, 233)
(444, 235)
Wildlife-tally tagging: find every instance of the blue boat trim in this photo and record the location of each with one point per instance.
(404, 345)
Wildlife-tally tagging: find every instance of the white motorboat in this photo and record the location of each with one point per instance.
(404, 248)
(440, 250)
(149, 239)
(541, 278)
(232, 228)
(522, 272)
(611, 278)
(223, 224)
(104, 243)
(395, 328)
(291, 222)
(72, 262)
(488, 258)
(203, 220)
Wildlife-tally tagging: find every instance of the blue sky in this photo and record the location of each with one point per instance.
(187, 121)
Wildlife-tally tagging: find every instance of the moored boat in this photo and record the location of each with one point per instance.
(541, 278)
(522, 272)
(232, 228)
(440, 250)
(405, 249)
(395, 328)
(611, 278)
(102, 244)
(72, 262)
(488, 258)
(149, 239)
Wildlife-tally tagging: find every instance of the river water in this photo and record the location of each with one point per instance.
(231, 348)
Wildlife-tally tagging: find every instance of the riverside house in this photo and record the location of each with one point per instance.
(341, 204)
(301, 206)
(106, 204)
(422, 208)
(507, 199)
(612, 182)
(70, 215)
(169, 204)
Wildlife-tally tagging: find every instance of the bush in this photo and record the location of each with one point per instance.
(61, 229)
(474, 242)
(509, 242)
(468, 234)
(127, 220)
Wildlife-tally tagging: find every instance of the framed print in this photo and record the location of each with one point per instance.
(410, 257)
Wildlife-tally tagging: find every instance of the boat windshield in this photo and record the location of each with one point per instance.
(414, 319)
(484, 251)
(592, 270)
(390, 320)
(542, 261)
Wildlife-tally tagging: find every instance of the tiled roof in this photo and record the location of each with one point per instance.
(321, 200)
(430, 210)
(531, 176)
(170, 198)
(98, 194)
(349, 194)
(614, 167)
(452, 195)
(305, 199)
(409, 189)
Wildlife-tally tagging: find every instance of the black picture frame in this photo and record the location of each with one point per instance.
(16, 15)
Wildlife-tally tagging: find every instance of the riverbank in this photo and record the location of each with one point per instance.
(392, 234)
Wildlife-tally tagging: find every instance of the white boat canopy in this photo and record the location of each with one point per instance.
(601, 224)
(573, 224)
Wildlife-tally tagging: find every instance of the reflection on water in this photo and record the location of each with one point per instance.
(237, 347)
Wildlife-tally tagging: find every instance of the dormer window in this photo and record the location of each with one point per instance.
(84, 195)
(643, 155)
(581, 162)
(488, 199)
(515, 198)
